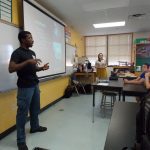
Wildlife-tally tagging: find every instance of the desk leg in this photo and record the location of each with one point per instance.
(119, 95)
(123, 97)
(93, 104)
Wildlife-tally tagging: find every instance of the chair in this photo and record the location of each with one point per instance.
(104, 102)
(76, 85)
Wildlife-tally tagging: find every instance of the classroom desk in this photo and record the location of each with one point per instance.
(122, 128)
(121, 68)
(129, 76)
(138, 90)
(113, 85)
(86, 77)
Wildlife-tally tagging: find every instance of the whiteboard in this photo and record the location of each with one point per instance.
(70, 56)
(8, 43)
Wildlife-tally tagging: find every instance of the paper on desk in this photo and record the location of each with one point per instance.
(105, 84)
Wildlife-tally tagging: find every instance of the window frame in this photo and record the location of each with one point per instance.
(107, 46)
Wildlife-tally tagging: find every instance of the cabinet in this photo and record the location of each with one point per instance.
(86, 77)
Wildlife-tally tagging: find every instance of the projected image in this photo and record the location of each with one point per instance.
(57, 50)
(58, 55)
(56, 32)
(49, 39)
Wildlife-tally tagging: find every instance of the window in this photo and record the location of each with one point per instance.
(115, 48)
(94, 46)
(6, 10)
(119, 48)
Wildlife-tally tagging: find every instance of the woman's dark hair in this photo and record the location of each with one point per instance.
(22, 35)
(99, 56)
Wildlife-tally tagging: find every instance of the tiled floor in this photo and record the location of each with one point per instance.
(70, 126)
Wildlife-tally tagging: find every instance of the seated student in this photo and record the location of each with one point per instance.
(141, 78)
(147, 80)
(89, 66)
(80, 68)
(143, 119)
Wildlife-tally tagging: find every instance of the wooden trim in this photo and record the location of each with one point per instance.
(9, 23)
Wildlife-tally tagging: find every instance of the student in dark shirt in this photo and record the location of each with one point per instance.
(23, 61)
(143, 119)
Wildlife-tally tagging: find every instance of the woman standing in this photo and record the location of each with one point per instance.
(100, 66)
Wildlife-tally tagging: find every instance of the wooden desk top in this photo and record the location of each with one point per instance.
(86, 77)
(111, 83)
(121, 67)
(127, 75)
(122, 128)
(134, 88)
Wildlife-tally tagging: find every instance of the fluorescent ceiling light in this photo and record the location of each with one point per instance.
(110, 24)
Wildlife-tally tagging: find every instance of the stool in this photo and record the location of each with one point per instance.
(104, 102)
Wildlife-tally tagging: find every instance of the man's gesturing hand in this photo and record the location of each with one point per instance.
(46, 66)
(34, 61)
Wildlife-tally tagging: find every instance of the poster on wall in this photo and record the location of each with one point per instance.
(142, 54)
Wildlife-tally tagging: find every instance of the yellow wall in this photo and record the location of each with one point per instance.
(7, 110)
(50, 90)
(17, 13)
(78, 40)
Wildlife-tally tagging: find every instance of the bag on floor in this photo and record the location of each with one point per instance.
(88, 88)
(68, 91)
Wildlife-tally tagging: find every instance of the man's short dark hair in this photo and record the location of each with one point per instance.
(22, 35)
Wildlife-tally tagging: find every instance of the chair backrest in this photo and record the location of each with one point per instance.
(145, 145)
(75, 81)
(147, 120)
(144, 115)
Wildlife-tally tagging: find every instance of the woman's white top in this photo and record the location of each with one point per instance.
(100, 64)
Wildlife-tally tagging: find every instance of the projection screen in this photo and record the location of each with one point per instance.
(49, 39)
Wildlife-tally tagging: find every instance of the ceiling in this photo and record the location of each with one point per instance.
(82, 14)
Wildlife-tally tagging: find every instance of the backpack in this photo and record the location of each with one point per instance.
(88, 88)
(68, 91)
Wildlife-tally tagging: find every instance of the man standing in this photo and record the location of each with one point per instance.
(24, 62)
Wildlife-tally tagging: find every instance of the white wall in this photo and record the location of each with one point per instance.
(141, 35)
